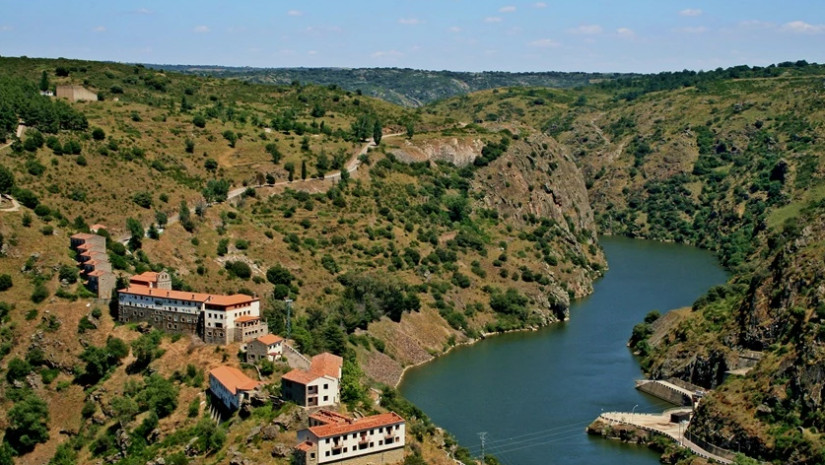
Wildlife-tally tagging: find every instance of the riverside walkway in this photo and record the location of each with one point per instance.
(661, 424)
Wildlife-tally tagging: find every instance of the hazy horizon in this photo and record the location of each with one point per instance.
(605, 36)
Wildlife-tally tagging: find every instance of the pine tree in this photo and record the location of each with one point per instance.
(376, 132)
(44, 81)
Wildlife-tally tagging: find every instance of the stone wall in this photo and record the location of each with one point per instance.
(166, 321)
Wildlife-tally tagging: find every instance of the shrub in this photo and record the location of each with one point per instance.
(28, 423)
(5, 282)
(277, 274)
(40, 293)
(143, 199)
(239, 269)
(98, 134)
(68, 273)
(199, 121)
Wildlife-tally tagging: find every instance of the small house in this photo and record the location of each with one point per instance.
(231, 386)
(317, 387)
(269, 347)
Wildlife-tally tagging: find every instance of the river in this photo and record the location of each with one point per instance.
(534, 393)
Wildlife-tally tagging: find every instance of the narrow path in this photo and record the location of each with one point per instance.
(661, 424)
(351, 166)
(14, 205)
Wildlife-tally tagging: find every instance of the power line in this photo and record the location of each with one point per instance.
(483, 436)
(522, 437)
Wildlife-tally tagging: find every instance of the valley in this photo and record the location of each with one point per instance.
(400, 233)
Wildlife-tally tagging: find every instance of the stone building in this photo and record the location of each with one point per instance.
(217, 319)
(76, 93)
(335, 438)
(93, 261)
(269, 347)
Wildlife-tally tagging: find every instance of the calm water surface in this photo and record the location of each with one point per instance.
(534, 393)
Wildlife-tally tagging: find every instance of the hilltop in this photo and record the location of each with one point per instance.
(401, 86)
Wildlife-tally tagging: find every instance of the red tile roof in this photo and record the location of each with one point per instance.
(301, 376)
(246, 318)
(328, 416)
(97, 273)
(145, 277)
(231, 300)
(213, 300)
(327, 364)
(234, 379)
(269, 339)
(82, 236)
(361, 424)
(97, 227)
(304, 446)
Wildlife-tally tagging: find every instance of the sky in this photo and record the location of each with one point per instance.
(460, 35)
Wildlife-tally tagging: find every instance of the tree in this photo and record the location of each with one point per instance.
(272, 150)
(199, 121)
(68, 273)
(161, 217)
(6, 180)
(98, 134)
(143, 199)
(377, 132)
(158, 395)
(28, 423)
(211, 437)
(290, 169)
(231, 137)
(136, 229)
(277, 274)
(216, 190)
(410, 129)
(18, 369)
(44, 81)
(185, 217)
(211, 165)
(189, 145)
(303, 169)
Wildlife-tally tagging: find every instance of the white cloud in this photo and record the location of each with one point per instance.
(100, 29)
(693, 30)
(201, 29)
(690, 12)
(410, 21)
(454, 29)
(143, 11)
(544, 43)
(586, 29)
(539, 5)
(492, 19)
(801, 27)
(626, 33)
(507, 9)
(312, 52)
(295, 13)
(386, 54)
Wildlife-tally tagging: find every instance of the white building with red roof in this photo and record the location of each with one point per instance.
(335, 438)
(231, 386)
(269, 347)
(217, 319)
(317, 387)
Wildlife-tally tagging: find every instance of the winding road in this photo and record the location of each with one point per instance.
(351, 166)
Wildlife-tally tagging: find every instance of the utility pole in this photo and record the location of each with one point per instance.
(288, 317)
(483, 436)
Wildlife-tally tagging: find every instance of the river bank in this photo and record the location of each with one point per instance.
(535, 390)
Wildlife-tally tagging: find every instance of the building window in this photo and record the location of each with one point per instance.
(381, 442)
(389, 440)
(326, 398)
(326, 454)
(326, 386)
